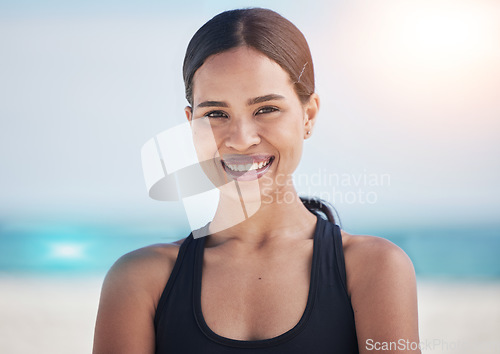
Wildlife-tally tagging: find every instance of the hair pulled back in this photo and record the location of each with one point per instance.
(261, 29)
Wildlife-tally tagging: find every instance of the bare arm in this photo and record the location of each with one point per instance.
(130, 293)
(381, 281)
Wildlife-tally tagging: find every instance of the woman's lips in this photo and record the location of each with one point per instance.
(246, 167)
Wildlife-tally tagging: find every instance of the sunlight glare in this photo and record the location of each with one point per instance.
(447, 35)
(67, 250)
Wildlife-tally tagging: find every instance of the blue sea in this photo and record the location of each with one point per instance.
(79, 249)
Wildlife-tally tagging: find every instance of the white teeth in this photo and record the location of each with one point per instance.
(238, 168)
(248, 167)
(264, 163)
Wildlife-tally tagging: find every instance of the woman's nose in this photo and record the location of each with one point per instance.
(242, 135)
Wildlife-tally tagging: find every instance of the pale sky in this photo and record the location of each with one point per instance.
(410, 113)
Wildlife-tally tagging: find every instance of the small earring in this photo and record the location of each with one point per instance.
(309, 132)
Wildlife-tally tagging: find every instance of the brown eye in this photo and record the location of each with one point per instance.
(216, 114)
(265, 110)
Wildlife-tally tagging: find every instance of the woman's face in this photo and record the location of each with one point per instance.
(248, 103)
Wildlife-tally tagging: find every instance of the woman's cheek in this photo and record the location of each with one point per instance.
(204, 140)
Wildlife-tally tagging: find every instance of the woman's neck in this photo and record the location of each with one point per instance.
(256, 223)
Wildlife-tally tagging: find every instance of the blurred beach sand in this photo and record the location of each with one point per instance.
(52, 315)
(459, 317)
(48, 314)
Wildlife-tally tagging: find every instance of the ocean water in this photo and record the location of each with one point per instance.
(449, 252)
(74, 248)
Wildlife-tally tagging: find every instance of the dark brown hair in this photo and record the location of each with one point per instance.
(269, 33)
(261, 29)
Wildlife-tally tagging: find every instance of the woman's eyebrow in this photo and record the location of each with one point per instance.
(265, 98)
(212, 104)
(250, 102)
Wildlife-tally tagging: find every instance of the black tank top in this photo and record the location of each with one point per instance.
(326, 326)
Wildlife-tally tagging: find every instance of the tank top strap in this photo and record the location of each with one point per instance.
(332, 254)
(185, 255)
(339, 252)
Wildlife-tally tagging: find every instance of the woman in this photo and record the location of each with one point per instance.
(284, 280)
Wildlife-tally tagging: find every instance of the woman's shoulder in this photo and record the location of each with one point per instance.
(150, 255)
(382, 288)
(367, 245)
(129, 297)
(161, 256)
(145, 270)
(371, 257)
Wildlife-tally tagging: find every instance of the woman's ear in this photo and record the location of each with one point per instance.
(311, 110)
(189, 113)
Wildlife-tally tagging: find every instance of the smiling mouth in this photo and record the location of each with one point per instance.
(246, 167)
